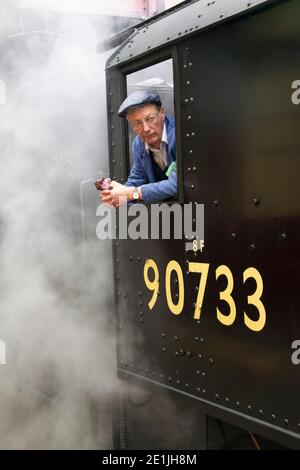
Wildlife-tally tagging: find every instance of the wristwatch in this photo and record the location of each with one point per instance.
(136, 194)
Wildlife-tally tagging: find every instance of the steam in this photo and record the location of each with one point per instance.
(55, 287)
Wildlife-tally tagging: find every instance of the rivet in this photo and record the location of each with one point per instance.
(273, 416)
(162, 376)
(175, 338)
(153, 372)
(260, 412)
(199, 16)
(192, 186)
(189, 169)
(168, 39)
(233, 236)
(203, 391)
(181, 352)
(189, 354)
(179, 34)
(188, 83)
(112, 110)
(112, 128)
(185, 67)
(196, 338)
(217, 396)
(139, 258)
(284, 236)
(187, 134)
(163, 335)
(186, 31)
(191, 99)
(199, 356)
(169, 379)
(221, 16)
(216, 203)
(198, 389)
(114, 162)
(202, 341)
(203, 374)
(237, 403)
(186, 100)
(163, 350)
(178, 382)
(191, 152)
(194, 168)
(186, 385)
(249, 407)
(176, 353)
(227, 400)
(286, 421)
(141, 313)
(187, 48)
(198, 372)
(141, 320)
(193, 134)
(140, 293)
(190, 64)
(256, 201)
(130, 258)
(210, 360)
(149, 47)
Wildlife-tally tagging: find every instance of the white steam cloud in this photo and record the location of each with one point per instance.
(55, 291)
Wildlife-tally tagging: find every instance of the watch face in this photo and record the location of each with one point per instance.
(135, 194)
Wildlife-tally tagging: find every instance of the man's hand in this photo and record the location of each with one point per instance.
(112, 196)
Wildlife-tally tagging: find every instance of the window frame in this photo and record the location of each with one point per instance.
(143, 63)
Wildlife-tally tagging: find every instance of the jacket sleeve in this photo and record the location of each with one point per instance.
(137, 175)
(156, 192)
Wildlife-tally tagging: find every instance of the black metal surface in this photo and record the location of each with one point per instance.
(184, 20)
(240, 148)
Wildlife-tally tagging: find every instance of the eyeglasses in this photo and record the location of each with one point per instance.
(150, 120)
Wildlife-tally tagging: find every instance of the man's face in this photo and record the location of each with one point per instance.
(148, 123)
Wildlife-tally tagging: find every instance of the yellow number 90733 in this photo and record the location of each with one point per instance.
(176, 307)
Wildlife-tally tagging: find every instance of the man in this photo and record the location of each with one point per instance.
(153, 176)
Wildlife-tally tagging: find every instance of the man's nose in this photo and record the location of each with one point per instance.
(146, 126)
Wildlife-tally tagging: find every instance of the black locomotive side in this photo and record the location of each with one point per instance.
(221, 334)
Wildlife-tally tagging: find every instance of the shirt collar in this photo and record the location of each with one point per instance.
(164, 138)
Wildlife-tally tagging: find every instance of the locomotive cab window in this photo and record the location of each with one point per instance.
(151, 132)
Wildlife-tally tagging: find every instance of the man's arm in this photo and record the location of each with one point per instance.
(137, 175)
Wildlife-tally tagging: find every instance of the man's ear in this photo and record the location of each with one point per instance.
(162, 110)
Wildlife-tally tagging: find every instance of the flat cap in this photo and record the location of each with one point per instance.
(138, 98)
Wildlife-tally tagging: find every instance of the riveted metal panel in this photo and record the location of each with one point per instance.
(184, 21)
(240, 157)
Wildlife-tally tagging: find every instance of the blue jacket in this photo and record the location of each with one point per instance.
(143, 174)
